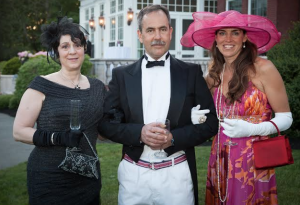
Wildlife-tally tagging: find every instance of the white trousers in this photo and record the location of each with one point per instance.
(143, 186)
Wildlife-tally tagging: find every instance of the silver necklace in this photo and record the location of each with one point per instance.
(76, 85)
(218, 111)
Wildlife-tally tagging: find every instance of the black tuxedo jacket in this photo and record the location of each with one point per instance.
(188, 89)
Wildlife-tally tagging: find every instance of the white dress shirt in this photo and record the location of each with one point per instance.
(156, 93)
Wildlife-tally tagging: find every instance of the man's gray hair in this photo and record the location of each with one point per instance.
(150, 9)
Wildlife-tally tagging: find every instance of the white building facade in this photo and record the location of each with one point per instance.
(118, 39)
(115, 40)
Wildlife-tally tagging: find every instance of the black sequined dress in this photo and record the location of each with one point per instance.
(48, 184)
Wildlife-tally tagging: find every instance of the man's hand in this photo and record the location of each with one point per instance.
(154, 135)
(168, 143)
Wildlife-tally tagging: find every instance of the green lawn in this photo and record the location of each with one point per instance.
(13, 180)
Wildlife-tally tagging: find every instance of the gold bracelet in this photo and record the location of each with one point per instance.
(52, 139)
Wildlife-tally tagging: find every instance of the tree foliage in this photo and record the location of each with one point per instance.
(21, 22)
(286, 57)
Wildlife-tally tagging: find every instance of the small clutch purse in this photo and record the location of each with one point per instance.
(79, 163)
(272, 152)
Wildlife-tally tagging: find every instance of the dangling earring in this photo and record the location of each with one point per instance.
(216, 46)
(244, 46)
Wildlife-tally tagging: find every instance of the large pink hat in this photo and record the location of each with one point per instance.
(201, 32)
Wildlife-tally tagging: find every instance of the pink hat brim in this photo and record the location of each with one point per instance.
(201, 32)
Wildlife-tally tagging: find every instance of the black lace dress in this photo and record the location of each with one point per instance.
(48, 184)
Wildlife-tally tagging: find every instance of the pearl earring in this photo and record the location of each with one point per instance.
(216, 46)
(244, 46)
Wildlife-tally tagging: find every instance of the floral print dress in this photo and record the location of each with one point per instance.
(246, 185)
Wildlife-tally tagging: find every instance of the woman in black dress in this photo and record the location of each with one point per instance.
(46, 102)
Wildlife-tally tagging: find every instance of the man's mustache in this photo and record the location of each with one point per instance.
(158, 43)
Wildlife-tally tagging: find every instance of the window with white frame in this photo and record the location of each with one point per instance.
(92, 31)
(211, 6)
(140, 49)
(86, 26)
(87, 17)
(101, 12)
(120, 5)
(92, 35)
(174, 40)
(185, 25)
(101, 9)
(92, 12)
(143, 3)
(180, 5)
(112, 32)
(120, 30)
(113, 6)
(234, 5)
(259, 7)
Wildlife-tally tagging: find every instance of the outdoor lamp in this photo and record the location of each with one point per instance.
(102, 21)
(129, 16)
(92, 23)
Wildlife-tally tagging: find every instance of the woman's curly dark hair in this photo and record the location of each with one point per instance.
(51, 34)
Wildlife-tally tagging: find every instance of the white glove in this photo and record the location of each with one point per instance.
(239, 128)
(198, 116)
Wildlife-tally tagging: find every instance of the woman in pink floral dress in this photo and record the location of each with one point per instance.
(253, 88)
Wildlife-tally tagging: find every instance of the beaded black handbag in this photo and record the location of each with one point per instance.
(80, 163)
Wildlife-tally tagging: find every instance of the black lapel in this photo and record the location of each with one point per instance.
(178, 91)
(133, 83)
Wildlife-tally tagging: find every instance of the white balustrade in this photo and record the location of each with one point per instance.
(102, 68)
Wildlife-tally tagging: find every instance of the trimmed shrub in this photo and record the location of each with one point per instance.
(29, 70)
(13, 102)
(285, 57)
(2, 64)
(12, 66)
(86, 65)
(39, 66)
(4, 101)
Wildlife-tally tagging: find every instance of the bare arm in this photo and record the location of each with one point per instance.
(270, 82)
(27, 114)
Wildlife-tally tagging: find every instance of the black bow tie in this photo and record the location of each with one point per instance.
(150, 64)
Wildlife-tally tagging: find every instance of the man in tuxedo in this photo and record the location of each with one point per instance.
(157, 86)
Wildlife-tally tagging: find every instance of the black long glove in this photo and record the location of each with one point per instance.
(70, 138)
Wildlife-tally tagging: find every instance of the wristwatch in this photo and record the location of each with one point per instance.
(172, 142)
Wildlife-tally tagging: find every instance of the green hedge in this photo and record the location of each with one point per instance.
(13, 102)
(2, 64)
(286, 58)
(12, 66)
(4, 101)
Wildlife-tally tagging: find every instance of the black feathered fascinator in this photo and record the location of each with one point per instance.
(51, 34)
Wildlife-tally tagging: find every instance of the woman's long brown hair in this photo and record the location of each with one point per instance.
(241, 66)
